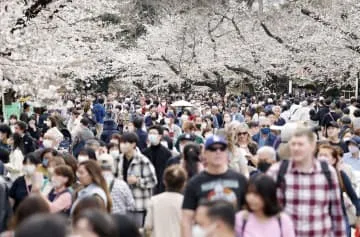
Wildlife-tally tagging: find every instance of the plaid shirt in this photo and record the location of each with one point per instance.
(142, 168)
(315, 208)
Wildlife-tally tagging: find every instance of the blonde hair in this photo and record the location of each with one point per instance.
(232, 134)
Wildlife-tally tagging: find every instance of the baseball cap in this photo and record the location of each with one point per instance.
(355, 140)
(187, 137)
(212, 140)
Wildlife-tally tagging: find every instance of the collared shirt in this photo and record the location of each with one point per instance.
(352, 161)
(314, 207)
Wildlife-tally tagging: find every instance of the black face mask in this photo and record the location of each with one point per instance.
(263, 166)
(198, 126)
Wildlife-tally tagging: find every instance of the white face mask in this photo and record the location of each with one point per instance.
(198, 231)
(115, 153)
(322, 158)
(29, 169)
(82, 158)
(154, 139)
(47, 143)
(167, 121)
(56, 183)
(353, 149)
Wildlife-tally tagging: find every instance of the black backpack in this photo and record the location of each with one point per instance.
(281, 183)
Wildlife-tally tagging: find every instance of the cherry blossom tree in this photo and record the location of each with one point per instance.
(178, 45)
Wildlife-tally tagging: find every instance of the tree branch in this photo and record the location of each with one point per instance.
(232, 20)
(277, 38)
(354, 48)
(239, 70)
(212, 40)
(317, 18)
(171, 66)
(267, 31)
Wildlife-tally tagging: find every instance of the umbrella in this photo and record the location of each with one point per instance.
(182, 103)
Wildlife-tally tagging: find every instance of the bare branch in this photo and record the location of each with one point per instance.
(354, 48)
(171, 66)
(239, 70)
(317, 18)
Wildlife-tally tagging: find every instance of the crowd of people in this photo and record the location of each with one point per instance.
(131, 166)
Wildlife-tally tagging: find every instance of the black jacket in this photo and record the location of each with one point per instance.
(28, 144)
(159, 156)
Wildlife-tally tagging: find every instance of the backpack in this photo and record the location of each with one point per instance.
(281, 183)
(245, 219)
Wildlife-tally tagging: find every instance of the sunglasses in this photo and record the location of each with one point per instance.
(265, 126)
(242, 133)
(217, 148)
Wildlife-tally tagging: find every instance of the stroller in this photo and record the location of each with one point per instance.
(66, 143)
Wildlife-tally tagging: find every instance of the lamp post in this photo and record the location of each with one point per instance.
(3, 93)
(290, 86)
(357, 85)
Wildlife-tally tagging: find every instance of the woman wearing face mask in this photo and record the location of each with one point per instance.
(353, 158)
(114, 150)
(119, 190)
(59, 199)
(16, 157)
(86, 154)
(332, 155)
(22, 186)
(53, 136)
(93, 184)
(263, 216)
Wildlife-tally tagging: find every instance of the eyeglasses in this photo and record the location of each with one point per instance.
(242, 133)
(214, 149)
(265, 126)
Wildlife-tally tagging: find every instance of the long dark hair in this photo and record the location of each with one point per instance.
(191, 157)
(18, 142)
(95, 173)
(265, 187)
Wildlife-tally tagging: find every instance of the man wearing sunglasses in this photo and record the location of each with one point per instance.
(216, 182)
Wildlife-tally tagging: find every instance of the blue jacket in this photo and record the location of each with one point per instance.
(110, 128)
(143, 136)
(238, 117)
(99, 113)
(270, 141)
